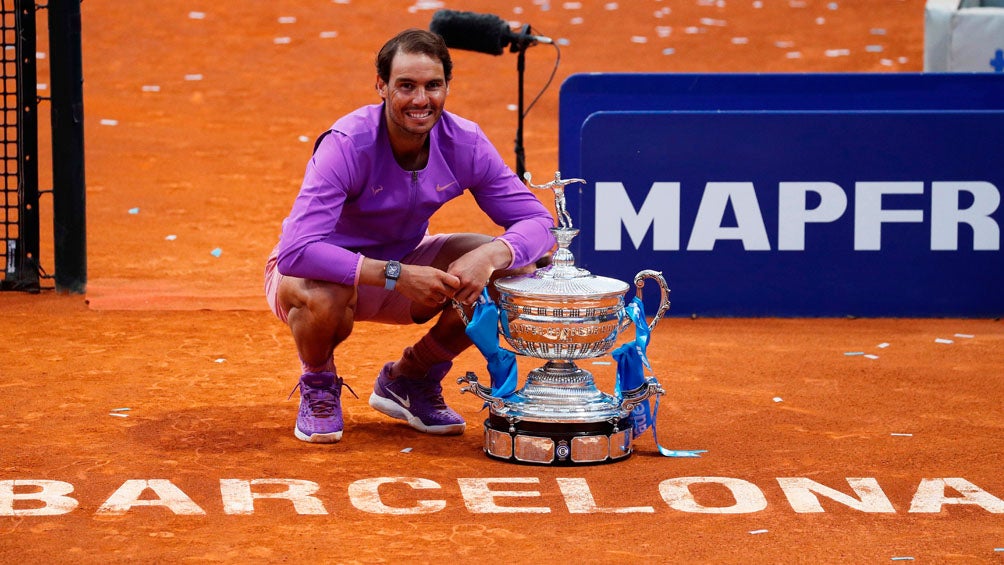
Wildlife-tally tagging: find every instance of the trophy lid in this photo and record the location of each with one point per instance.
(555, 282)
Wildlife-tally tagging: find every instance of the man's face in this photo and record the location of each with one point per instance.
(415, 93)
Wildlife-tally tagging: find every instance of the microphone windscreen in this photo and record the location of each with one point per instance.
(484, 33)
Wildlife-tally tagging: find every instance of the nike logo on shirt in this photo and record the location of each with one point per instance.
(444, 187)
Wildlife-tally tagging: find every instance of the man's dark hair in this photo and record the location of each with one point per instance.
(418, 41)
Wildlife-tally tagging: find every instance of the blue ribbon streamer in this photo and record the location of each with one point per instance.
(632, 361)
(483, 329)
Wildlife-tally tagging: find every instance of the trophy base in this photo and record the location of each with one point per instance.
(563, 444)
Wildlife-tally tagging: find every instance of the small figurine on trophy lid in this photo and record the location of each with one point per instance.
(559, 313)
(558, 187)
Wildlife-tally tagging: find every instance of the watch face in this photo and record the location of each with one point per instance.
(393, 270)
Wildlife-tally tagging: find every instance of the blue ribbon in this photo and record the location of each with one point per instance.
(632, 361)
(483, 329)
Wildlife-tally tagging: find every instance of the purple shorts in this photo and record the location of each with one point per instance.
(375, 303)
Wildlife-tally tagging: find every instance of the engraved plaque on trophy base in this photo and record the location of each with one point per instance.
(545, 443)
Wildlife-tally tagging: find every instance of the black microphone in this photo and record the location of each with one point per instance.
(484, 33)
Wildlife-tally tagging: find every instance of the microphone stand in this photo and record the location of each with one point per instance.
(520, 48)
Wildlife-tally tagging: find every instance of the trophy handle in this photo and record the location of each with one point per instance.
(639, 282)
(633, 398)
(481, 391)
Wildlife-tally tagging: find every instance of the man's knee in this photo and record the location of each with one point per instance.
(321, 300)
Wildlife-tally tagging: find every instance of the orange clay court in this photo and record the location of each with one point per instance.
(148, 420)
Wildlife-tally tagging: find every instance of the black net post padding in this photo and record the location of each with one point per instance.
(68, 203)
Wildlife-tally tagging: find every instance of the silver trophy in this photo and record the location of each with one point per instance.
(561, 313)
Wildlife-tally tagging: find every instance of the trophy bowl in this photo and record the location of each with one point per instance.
(539, 321)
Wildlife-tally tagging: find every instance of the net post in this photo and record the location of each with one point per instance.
(69, 206)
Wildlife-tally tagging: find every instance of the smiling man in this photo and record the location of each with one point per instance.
(356, 246)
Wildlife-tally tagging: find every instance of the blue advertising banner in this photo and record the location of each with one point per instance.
(792, 194)
(768, 213)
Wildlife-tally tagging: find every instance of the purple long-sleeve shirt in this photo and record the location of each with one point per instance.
(356, 201)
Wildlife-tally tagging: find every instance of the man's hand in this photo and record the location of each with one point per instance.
(474, 269)
(427, 285)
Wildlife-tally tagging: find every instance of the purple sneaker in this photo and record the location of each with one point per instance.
(418, 401)
(320, 416)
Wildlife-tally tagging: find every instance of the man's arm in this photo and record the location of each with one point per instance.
(303, 251)
(419, 283)
(511, 205)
